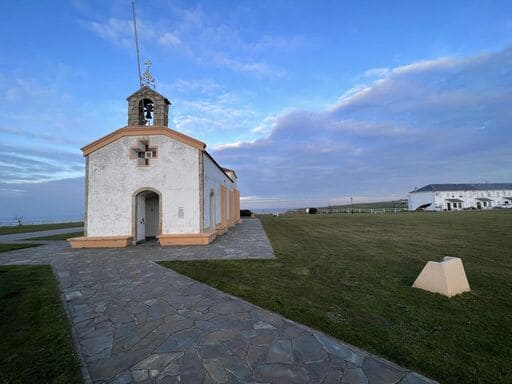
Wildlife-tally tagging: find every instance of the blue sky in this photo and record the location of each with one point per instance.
(311, 102)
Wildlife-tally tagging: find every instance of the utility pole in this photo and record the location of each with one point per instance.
(351, 206)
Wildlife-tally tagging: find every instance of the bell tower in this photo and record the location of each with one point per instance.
(147, 107)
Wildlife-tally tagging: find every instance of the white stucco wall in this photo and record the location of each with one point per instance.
(417, 199)
(439, 199)
(213, 179)
(114, 177)
(471, 198)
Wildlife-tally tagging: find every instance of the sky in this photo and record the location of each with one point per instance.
(311, 102)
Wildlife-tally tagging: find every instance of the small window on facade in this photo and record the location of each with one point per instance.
(144, 153)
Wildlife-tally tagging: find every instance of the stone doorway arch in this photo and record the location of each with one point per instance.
(147, 214)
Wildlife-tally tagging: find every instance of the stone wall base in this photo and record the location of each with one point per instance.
(100, 242)
(187, 239)
(220, 229)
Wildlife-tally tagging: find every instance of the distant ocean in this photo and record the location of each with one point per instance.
(11, 220)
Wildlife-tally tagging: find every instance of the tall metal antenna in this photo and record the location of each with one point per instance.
(136, 42)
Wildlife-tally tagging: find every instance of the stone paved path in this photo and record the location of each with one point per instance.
(27, 235)
(135, 321)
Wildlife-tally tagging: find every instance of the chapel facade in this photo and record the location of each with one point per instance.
(146, 181)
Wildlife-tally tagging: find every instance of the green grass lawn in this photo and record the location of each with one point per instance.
(12, 247)
(7, 230)
(36, 344)
(350, 276)
(62, 236)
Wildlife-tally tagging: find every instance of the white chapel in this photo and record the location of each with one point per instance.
(147, 181)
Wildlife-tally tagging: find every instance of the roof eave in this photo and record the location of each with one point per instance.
(141, 131)
(218, 166)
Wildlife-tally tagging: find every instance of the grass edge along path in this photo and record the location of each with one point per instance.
(37, 344)
(5, 247)
(350, 277)
(8, 230)
(62, 236)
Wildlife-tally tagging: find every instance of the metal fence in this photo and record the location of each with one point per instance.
(345, 211)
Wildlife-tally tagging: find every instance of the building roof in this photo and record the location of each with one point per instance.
(223, 170)
(227, 170)
(148, 131)
(148, 92)
(142, 131)
(463, 187)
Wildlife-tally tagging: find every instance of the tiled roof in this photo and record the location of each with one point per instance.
(464, 187)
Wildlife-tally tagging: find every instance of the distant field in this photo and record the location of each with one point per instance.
(37, 227)
(350, 276)
(376, 205)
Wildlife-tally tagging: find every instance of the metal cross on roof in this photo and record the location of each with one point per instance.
(147, 78)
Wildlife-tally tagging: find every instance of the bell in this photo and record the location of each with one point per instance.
(149, 109)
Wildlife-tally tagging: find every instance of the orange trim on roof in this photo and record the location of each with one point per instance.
(142, 131)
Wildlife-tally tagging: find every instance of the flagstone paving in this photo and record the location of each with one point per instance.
(137, 322)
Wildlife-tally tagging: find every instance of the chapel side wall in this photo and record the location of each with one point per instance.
(213, 179)
(114, 178)
(417, 199)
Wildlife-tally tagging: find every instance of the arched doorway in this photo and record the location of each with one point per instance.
(147, 215)
(213, 211)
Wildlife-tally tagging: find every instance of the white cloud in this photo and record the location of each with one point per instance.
(205, 116)
(220, 147)
(209, 41)
(416, 124)
(203, 86)
(116, 31)
(265, 127)
(238, 65)
(169, 39)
